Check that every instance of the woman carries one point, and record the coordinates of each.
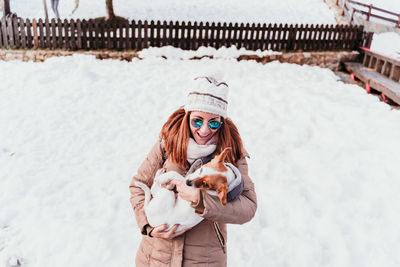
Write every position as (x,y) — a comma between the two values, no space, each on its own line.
(200,130)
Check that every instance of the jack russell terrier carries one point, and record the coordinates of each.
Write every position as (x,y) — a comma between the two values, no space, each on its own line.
(217,177)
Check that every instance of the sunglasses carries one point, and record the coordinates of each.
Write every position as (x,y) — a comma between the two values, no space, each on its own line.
(197,123)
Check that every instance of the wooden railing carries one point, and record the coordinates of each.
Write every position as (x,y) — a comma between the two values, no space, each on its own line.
(347,6)
(387,66)
(93,34)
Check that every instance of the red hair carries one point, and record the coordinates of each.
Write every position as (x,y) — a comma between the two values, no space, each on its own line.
(176,133)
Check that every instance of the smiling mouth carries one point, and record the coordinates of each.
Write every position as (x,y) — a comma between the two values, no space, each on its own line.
(203,136)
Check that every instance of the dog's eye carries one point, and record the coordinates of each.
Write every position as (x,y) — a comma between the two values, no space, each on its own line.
(205,184)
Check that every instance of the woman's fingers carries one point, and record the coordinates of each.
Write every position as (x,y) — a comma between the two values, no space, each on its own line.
(180,232)
(160,232)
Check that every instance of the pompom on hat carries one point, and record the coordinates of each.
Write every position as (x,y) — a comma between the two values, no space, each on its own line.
(207,94)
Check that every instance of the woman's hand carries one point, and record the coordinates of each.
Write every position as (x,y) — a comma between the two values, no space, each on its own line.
(188,193)
(160,232)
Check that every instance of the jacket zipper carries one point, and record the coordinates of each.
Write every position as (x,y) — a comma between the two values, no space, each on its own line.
(220,236)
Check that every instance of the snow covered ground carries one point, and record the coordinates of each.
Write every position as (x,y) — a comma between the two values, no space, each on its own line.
(74,130)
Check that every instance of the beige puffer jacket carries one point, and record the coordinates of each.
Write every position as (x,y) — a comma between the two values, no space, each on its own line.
(204,244)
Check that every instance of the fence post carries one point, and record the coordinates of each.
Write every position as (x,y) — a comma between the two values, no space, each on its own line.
(369,12)
(6,7)
(343,7)
(352,16)
(35,34)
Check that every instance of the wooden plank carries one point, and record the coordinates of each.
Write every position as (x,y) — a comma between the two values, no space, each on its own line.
(120,35)
(53,34)
(1,34)
(127,45)
(199,35)
(146,34)
(98,38)
(16,32)
(90,44)
(135,31)
(217,35)
(29,39)
(73,34)
(170,32)
(224,32)
(60,33)
(109,28)
(79,34)
(84,26)
(376,80)
(182,28)
(279,30)
(252,37)
(140,42)
(115,43)
(164,40)
(22,30)
(158,34)
(10,32)
(47,34)
(261,37)
(189,38)
(100,29)
(4,31)
(41,34)
(151,34)
(67,44)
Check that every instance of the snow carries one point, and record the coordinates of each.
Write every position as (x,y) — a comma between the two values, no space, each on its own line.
(257,11)
(387,43)
(75,130)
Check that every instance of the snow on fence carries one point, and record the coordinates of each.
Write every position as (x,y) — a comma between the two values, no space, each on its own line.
(349,9)
(94,34)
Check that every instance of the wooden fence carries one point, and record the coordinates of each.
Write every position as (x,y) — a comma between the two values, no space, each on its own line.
(348,6)
(93,34)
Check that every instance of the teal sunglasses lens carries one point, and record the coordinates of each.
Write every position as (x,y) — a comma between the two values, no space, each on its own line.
(197,123)
(214,125)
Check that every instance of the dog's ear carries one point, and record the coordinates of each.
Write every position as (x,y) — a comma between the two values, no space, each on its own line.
(222,156)
(222,190)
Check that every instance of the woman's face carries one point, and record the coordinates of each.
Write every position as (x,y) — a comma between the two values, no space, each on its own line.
(202,124)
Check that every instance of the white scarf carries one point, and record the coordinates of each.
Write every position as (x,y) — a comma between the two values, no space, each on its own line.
(196,151)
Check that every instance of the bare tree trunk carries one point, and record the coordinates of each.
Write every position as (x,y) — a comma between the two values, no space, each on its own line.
(45,9)
(110,10)
(5,4)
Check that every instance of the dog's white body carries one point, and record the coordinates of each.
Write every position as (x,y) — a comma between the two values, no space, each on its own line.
(166,207)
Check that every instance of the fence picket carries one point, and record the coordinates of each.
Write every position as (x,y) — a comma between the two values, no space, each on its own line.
(79,34)
(21,24)
(1,33)
(135,30)
(16,31)
(74,44)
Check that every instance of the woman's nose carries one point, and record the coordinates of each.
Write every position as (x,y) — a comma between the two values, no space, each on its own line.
(204,130)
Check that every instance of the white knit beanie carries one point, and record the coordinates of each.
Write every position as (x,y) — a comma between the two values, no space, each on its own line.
(208,95)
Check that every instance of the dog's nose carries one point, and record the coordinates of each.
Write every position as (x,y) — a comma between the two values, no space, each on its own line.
(188,182)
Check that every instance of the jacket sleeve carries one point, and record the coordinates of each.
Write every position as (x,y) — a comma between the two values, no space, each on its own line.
(236,212)
(146,173)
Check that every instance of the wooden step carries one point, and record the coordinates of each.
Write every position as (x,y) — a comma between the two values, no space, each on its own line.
(377,81)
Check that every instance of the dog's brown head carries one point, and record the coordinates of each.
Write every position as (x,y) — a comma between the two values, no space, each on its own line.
(215,181)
